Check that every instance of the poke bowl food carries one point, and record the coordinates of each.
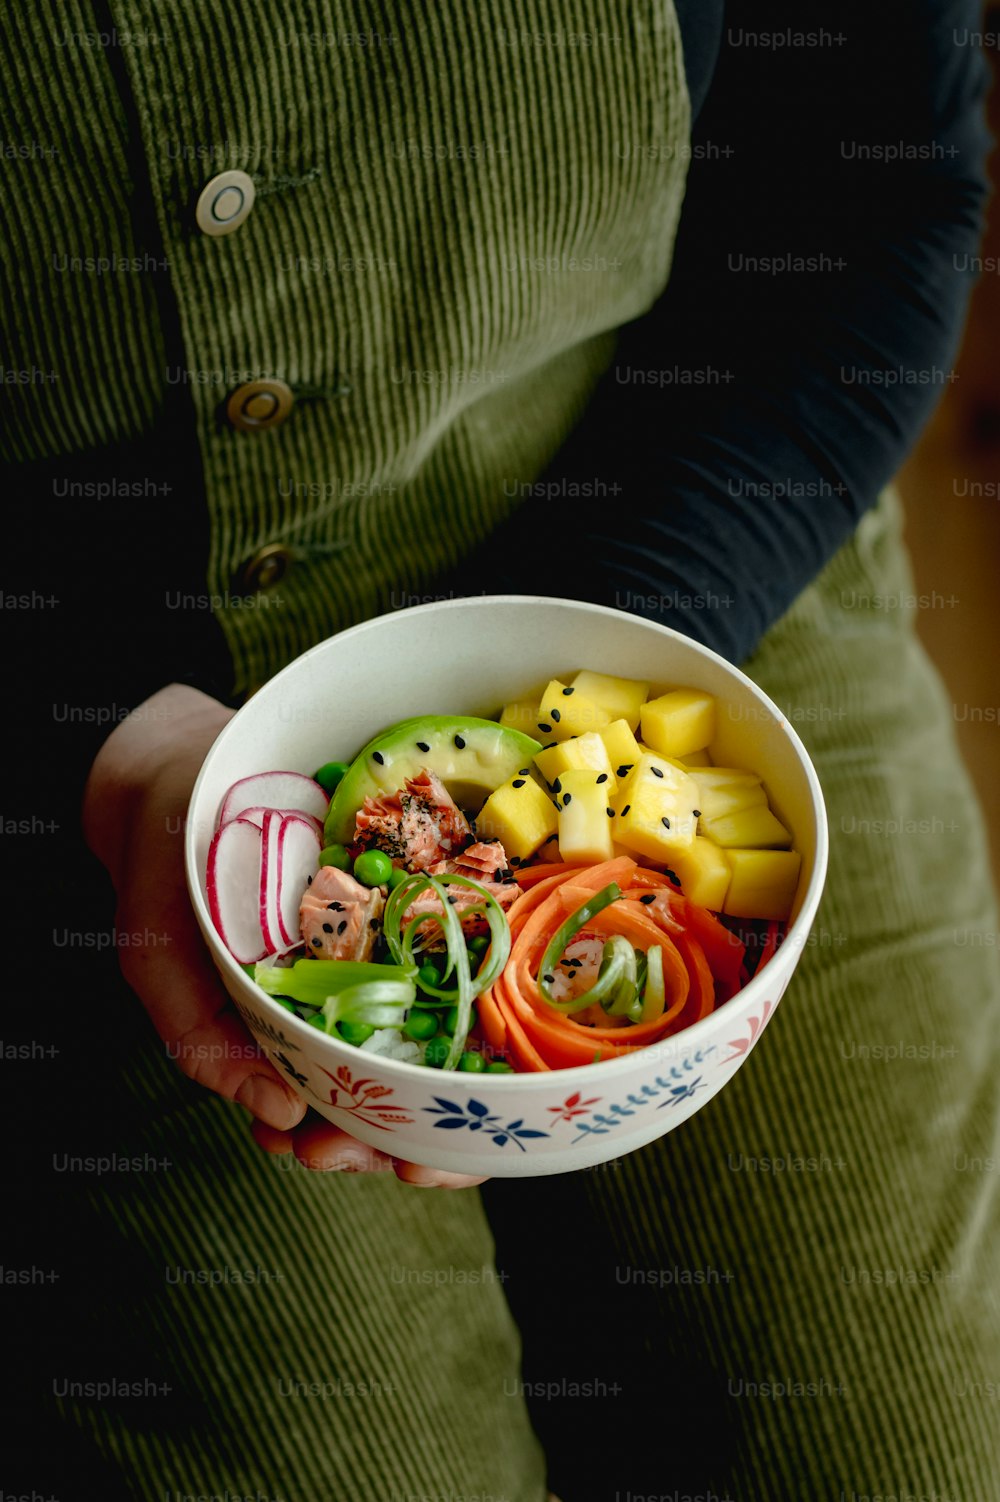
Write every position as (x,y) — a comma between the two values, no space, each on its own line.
(512,908)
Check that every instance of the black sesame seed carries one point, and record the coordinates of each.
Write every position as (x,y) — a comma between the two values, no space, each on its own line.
(515,860)
(626,809)
(309,881)
(625,768)
(422,746)
(567,799)
(335,907)
(518,782)
(451,899)
(665,822)
(545,729)
(548,979)
(674,878)
(524,772)
(459,742)
(657,771)
(375,924)
(648,898)
(603,777)
(341,925)
(377,756)
(328,928)
(611,813)
(696,812)
(567,692)
(557,786)
(555,715)
(317,943)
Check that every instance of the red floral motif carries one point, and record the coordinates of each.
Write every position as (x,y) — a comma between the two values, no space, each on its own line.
(742,1046)
(574,1106)
(366,1100)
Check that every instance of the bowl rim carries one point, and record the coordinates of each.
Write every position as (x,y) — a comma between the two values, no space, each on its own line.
(694,1033)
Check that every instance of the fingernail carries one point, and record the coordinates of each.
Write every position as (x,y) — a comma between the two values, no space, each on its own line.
(268,1102)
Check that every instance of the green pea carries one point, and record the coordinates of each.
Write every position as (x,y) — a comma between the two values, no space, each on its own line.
(499,1067)
(428,975)
(472,1063)
(478,945)
(335,855)
(355,1032)
(436,1052)
(317,1020)
(451,1020)
(399,875)
(420,1025)
(331,774)
(373,868)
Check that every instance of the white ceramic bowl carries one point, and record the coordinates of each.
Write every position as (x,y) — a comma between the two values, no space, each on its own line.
(470,657)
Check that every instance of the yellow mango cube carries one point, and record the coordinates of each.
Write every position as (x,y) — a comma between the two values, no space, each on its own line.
(588,751)
(522,715)
(621,745)
(654,809)
(563,713)
(726,790)
(750,828)
(703,872)
(520,815)
(762,883)
(696,759)
(621,697)
(585,822)
(679,722)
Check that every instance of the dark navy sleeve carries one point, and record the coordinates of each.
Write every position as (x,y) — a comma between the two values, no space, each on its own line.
(822,270)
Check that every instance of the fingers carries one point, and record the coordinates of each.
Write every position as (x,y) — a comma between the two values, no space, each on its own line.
(432,1178)
(324,1148)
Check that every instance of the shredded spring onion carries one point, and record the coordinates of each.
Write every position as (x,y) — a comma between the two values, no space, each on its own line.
(407,945)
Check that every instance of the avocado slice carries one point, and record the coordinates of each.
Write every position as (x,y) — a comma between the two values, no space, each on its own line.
(471,757)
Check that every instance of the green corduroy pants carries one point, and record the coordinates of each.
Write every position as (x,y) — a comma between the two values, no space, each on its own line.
(793,1295)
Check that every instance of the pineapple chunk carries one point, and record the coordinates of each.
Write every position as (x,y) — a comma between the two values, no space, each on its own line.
(679,722)
(621,697)
(585,830)
(564,713)
(523,716)
(520,815)
(655,809)
(725,790)
(751,828)
(703,872)
(762,883)
(622,746)
(696,759)
(582,751)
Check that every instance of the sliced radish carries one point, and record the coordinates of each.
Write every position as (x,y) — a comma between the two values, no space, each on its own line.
(298,853)
(233,886)
(291,790)
(270,918)
(257,816)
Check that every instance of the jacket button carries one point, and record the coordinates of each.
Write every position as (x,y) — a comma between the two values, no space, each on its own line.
(259,404)
(265,569)
(224,203)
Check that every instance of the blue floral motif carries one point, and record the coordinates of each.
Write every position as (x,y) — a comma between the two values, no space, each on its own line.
(677,1087)
(478,1118)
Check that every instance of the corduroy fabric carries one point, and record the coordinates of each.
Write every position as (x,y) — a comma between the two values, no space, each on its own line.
(807,1273)
(448,229)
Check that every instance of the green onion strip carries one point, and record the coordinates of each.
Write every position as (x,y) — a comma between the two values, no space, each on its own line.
(407,945)
(629,983)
